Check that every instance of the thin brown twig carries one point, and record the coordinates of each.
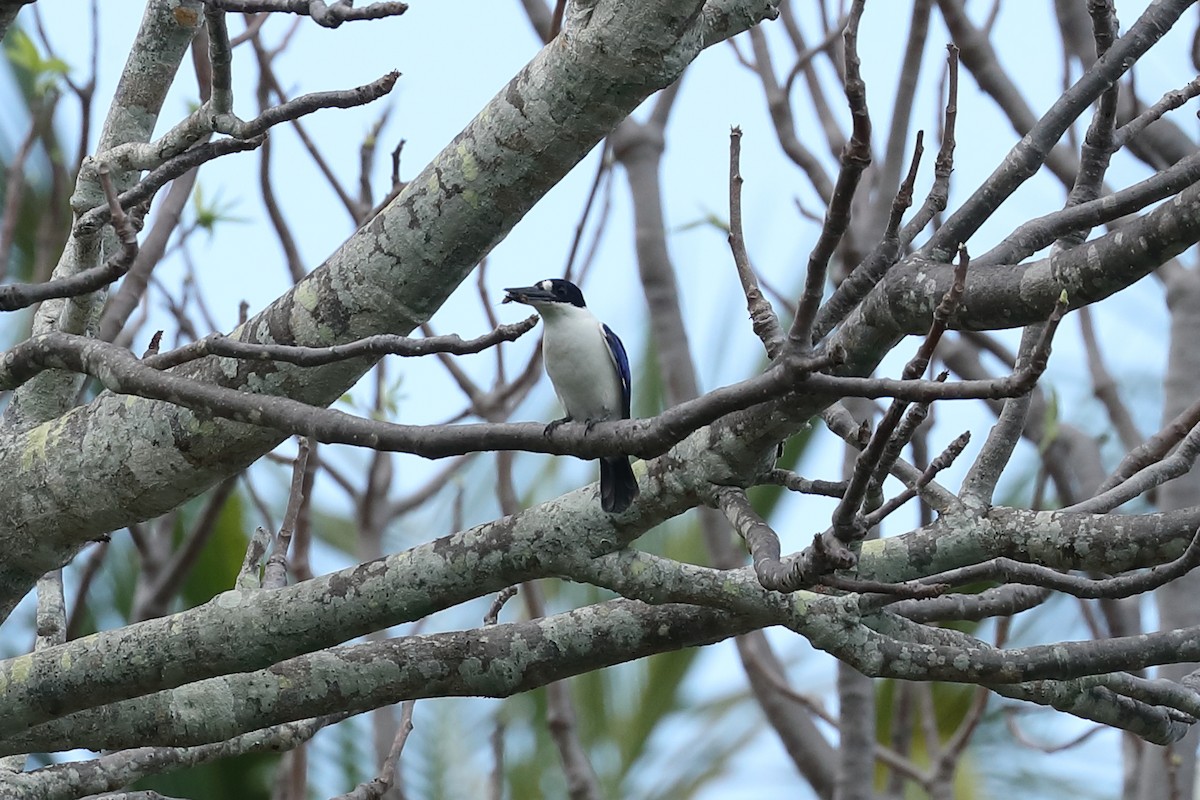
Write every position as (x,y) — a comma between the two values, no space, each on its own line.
(805,56)
(561,719)
(434,484)
(856,157)
(866,275)
(886,755)
(120,371)
(203,122)
(15,183)
(952,750)
(503,596)
(1104,386)
(1154,474)
(1014,729)
(302,538)
(763,319)
(828,121)
(779,105)
(939,192)
(912,419)
(1153,449)
(160,586)
(329,16)
(270,85)
(378,786)
(1169,102)
(379,345)
(275,571)
(22,295)
(943,460)
(998,601)
(366,158)
(145,189)
(599,180)
(1033,235)
(126,766)
(496,777)
(795,483)
(90,570)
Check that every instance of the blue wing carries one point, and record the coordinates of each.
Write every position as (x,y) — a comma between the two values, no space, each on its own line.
(621,360)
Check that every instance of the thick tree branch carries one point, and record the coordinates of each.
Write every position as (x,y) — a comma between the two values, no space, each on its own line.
(493,661)
(114,771)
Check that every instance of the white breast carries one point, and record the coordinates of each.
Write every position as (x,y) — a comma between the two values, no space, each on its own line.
(580,366)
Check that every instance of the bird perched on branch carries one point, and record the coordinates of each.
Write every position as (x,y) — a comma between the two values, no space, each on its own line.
(587,364)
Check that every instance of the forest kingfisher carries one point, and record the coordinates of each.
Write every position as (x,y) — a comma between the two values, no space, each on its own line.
(588,366)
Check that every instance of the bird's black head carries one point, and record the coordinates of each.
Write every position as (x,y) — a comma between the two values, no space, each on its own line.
(551,290)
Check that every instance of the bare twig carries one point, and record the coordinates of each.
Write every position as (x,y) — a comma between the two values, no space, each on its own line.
(779,104)
(382,344)
(855,158)
(944,460)
(840,422)
(984,473)
(762,317)
(1104,386)
(1169,102)
(160,585)
(561,721)
(503,596)
(1145,479)
(118,769)
(378,786)
(256,550)
(999,601)
(119,371)
(184,162)
(134,155)
(943,165)
(15,183)
(794,483)
(1010,721)
(1153,449)
(329,16)
(866,275)
(22,295)
(275,571)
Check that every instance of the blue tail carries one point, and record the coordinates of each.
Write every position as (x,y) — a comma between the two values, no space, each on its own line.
(618,486)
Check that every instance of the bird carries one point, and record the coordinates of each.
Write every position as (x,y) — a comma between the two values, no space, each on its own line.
(589,369)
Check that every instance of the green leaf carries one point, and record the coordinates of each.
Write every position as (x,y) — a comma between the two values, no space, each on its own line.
(209,215)
(707,220)
(216,568)
(36,75)
(336,531)
(22,53)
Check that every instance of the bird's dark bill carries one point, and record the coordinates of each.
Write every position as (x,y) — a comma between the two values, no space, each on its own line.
(523,294)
